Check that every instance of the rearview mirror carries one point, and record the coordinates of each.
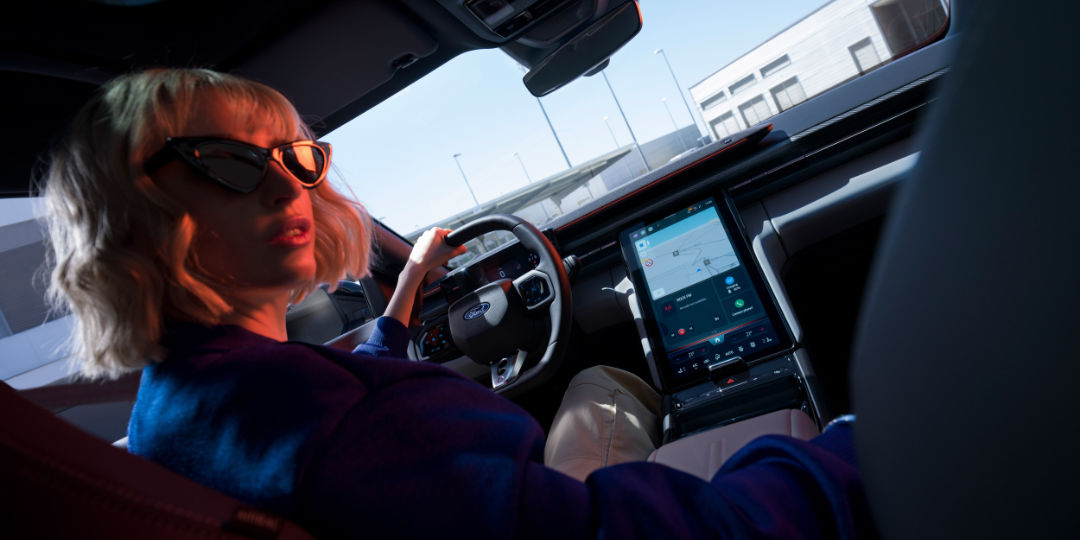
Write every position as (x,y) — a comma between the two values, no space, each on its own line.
(588,50)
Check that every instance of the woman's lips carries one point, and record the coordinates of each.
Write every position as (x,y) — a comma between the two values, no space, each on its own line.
(295,232)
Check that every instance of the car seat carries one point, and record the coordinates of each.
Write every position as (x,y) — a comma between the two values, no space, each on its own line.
(60,482)
(964,372)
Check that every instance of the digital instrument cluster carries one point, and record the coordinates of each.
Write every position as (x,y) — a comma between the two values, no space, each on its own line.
(509,262)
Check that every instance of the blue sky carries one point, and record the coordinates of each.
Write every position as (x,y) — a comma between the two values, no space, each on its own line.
(397,157)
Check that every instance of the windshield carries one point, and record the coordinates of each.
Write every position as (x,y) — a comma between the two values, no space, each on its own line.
(469,139)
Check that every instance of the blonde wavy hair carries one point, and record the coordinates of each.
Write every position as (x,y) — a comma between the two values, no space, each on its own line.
(121,249)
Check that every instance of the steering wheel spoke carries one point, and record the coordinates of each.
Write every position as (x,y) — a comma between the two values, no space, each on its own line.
(506,370)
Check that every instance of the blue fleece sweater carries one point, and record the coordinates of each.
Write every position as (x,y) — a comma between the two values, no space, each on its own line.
(368,444)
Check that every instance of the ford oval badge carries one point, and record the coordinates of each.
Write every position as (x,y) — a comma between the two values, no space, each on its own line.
(477,310)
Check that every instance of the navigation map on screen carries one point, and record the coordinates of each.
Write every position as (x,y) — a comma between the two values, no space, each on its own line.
(701,296)
(685,253)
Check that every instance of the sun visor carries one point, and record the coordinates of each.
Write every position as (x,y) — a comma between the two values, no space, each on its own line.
(324,63)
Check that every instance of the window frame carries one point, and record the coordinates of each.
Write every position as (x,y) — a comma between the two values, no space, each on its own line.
(752,104)
(714,100)
(784,88)
(721,120)
(863,44)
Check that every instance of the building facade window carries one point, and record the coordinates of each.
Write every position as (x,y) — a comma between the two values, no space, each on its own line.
(714,100)
(22,293)
(755,111)
(908,24)
(741,84)
(724,125)
(788,94)
(864,54)
(775,65)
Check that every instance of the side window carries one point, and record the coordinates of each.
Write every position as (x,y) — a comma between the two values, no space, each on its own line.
(31,335)
(830,46)
(908,24)
(21,304)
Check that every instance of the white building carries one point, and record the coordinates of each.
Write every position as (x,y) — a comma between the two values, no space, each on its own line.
(31,336)
(840,41)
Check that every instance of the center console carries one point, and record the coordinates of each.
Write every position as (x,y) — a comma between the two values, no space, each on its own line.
(719,349)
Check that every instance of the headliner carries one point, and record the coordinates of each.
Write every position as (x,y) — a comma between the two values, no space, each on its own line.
(55,54)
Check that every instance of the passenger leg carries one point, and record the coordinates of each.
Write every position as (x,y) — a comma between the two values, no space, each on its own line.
(607,416)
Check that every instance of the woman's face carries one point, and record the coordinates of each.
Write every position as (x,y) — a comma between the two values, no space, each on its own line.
(258,242)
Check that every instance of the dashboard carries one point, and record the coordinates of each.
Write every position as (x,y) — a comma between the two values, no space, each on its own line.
(807,186)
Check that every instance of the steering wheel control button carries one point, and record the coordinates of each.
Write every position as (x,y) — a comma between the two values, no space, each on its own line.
(535,289)
(477,311)
(434,341)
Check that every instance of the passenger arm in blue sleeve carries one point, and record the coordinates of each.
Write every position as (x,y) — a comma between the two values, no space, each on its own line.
(389,338)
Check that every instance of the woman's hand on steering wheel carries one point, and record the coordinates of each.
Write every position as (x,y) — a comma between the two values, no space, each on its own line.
(430,252)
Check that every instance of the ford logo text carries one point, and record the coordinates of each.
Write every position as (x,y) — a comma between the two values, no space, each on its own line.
(477,310)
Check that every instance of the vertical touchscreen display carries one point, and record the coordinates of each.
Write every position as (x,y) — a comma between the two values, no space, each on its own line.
(699,291)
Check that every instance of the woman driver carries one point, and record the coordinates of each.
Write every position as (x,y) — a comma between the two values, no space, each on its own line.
(187,209)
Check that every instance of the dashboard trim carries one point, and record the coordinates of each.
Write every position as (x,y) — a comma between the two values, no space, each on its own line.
(752,135)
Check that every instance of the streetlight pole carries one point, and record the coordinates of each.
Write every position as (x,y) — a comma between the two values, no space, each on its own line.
(627,122)
(673,124)
(550,126)
(612,132)
(679,88)
(466,179)
(553,134)
(523,169)
(671,116)
(547,216)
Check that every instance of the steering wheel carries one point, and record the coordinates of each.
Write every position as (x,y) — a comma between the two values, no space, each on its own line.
(517,327)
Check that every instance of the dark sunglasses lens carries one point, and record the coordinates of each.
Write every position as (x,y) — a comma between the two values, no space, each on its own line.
(306,161)
(235,164)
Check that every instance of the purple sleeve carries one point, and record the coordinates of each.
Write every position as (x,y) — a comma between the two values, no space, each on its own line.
(436,455)
(439,456)
(389,338)
(775,487)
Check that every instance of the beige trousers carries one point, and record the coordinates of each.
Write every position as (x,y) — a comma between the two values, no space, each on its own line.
(607,416)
